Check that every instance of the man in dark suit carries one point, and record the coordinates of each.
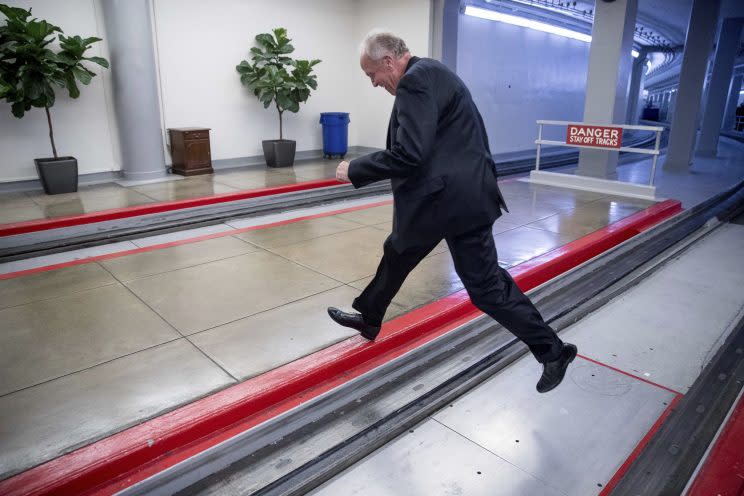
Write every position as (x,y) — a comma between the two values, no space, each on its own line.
(444,187)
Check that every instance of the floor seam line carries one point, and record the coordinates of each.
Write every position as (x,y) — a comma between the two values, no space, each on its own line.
(497,455)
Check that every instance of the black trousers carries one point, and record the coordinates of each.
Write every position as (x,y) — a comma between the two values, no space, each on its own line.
(490,287)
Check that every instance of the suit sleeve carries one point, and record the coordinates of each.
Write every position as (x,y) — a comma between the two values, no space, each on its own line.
(417,115)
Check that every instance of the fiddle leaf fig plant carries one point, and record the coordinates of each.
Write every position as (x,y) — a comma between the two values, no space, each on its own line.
(30,69)
(276,78)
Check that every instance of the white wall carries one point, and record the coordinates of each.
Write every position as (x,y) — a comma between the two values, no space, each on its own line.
(82,128)
(200,43)
(517,76)
(199,46)
(410,20)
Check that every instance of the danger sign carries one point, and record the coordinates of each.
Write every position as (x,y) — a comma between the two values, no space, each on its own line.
(602,136)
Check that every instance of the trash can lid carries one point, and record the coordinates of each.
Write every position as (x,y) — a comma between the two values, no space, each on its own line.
(334,116)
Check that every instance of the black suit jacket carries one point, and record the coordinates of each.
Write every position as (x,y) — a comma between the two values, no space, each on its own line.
(437,156)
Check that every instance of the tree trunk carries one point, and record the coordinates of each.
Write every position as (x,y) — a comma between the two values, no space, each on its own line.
(280,122)
(51,132)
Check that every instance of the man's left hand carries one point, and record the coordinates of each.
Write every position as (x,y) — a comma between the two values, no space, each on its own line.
(342,171)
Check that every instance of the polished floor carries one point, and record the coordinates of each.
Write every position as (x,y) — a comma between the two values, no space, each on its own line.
(704,176)
(99,343)
(34,205)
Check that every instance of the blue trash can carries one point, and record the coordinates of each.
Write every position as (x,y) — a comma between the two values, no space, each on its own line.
(335,133)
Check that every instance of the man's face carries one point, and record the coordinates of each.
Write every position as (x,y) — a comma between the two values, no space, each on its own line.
(381,72)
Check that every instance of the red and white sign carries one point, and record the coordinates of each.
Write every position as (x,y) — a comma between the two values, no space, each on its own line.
(602,136)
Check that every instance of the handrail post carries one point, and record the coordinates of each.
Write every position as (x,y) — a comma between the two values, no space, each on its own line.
(539,139)
(656,156)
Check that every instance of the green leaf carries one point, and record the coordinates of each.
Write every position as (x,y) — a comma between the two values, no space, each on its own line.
(7,48)
(39,30)
(18,109)
(244,68)
(72,88)
(98,60)
(35,89)
(15,13)
(5,88)
(66,59)
(303,95)
(83,75)
(89,41)
(48,99)
(284,100)
(266,40)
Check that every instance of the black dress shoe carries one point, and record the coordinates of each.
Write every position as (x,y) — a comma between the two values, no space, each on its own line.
(554,371)
(355,321)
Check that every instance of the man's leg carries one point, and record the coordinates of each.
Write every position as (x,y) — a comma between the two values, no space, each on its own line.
(493,291)
(392,271)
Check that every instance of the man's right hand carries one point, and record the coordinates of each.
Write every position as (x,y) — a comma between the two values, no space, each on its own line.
(342,171)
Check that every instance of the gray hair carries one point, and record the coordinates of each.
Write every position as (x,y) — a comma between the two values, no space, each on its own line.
(377,44)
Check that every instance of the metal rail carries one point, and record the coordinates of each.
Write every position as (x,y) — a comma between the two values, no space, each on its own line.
(293,453)
(64,239)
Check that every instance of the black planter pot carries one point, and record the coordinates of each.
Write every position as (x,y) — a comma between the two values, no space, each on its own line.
(58,175)
(279,153)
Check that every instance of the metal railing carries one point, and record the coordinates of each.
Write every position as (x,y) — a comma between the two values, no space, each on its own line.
(655,151)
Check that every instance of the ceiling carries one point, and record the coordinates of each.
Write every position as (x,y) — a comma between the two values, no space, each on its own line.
(661,24)
(658,22)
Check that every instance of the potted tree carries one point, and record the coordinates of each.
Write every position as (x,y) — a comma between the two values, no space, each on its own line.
(29,72)
(275,77)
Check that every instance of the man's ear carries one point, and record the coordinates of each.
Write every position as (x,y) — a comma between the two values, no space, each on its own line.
(388,61)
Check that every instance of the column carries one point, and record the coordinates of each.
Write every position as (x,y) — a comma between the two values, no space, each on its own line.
(729,118)
(700,32)
(672,105)
(608,77)
(664,106)
(450,19)
(135,82)
(638,73)
(720,80)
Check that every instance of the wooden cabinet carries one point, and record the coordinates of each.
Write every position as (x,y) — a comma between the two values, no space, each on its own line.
(189,147)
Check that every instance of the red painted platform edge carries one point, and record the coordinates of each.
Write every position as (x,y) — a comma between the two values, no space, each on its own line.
(636,377)
(121,213)
(723,471)
(14,228)
(640,447)
(117,456)
(169,244)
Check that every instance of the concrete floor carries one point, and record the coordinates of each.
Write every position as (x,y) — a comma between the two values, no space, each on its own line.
(92,348)
(637,353)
